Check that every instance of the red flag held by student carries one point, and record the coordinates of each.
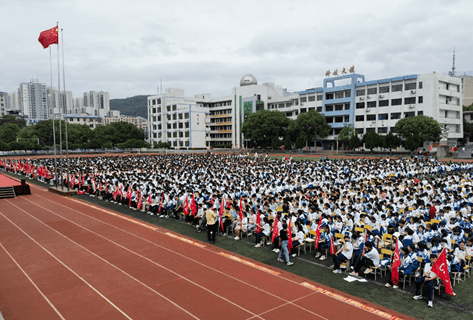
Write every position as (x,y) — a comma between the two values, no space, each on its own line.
(289,235)
(221,211)
(193,206)
(186,208)
(212,199)
(317,234)
(395,266)
(275,229)
(140,201)
(440,268)
(332,245)
(258,222)
(48,37)
(240,211)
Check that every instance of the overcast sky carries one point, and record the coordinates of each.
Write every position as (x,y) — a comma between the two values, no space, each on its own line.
(126,47)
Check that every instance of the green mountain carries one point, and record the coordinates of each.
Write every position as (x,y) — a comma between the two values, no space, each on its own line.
(134,106)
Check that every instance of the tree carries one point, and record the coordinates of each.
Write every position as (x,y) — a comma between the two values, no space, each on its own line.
(354,142)
(371,140)
(467,131)
(117,132)
(391,141)
(311,124)
(418,129)
(261,127)
(346,133)
(8,118)
(133,143)
(8,132)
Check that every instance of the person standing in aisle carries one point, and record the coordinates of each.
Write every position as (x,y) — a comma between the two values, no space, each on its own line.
(211,216)
(283,240)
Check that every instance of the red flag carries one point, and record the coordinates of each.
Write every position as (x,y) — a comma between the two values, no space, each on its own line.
(289,235)
(317,233)
(193,206)
(396,265)
(275,229)
(440,268)
(430,148)
(186,208)
(240,211)
(258,222)
(220,212)
(149,198)
(140,201)
(161,203)
(212,199)
(48,37)
(332,245)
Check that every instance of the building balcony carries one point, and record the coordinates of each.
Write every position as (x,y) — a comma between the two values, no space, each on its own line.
(220,115)
(220,123)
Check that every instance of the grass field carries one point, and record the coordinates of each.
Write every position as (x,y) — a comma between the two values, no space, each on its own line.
(445,307)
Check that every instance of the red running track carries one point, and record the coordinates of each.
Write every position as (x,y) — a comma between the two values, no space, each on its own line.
(65,259)
(6,181)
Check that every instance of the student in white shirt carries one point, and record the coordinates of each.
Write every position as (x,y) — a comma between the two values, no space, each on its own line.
(429,277)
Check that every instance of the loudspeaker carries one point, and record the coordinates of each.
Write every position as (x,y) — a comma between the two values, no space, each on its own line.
(23,182)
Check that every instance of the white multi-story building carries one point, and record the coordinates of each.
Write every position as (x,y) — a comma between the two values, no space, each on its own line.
(96,103)
(344,100)
(13,102)
(33,100)
(177,120)
(3,103)
(467,89)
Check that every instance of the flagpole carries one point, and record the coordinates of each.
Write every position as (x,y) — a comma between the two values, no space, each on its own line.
(60,109)
(65,105)
(52,110)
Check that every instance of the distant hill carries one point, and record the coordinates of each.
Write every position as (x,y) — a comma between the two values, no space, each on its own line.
(133,106)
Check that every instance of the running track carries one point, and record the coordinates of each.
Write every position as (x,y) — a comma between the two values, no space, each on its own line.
(62,258)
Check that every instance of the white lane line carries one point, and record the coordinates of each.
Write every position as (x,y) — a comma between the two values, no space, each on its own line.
(143,257)
(34,284)
(72,271)
(173,252)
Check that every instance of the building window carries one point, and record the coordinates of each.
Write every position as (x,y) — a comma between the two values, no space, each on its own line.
(420,113)
(360,92)
(329,108)
(370,117)
(303,99)
(186,115)
(411,100)
(421,99)
(338,107)
(372,90)
(396,87)
(168,108)
(174,117)
(420,85)
(347,93)
(383,116)
(396,102)
(383,130)
(395,116)
(383,103)
(338,119)
(359,130)
(410,86)
(384,89)
(320,97)
(174,107)
(338,94)
(371,104)
(311,98)
(180,116)
(319,109)
(186,134)
(169,134)
(409,114)
(360,105)
(328,96)
(360,118)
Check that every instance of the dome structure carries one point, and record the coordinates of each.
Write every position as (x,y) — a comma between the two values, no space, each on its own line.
(248,80)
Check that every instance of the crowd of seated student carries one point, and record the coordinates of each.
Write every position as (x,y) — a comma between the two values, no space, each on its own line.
(342,197)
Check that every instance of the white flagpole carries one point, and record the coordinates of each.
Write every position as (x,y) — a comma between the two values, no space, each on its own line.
(60,109)
(52,110)
(65,107)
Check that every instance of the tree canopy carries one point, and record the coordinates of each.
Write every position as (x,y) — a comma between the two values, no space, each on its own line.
(418,129)
(261,127)
(311,124)
(346,133)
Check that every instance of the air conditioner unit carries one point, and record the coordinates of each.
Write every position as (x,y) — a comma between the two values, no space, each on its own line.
(381,96)
(413,91)
(374,121)
(368,97)
(361,98)
(411,106)
(368,109)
